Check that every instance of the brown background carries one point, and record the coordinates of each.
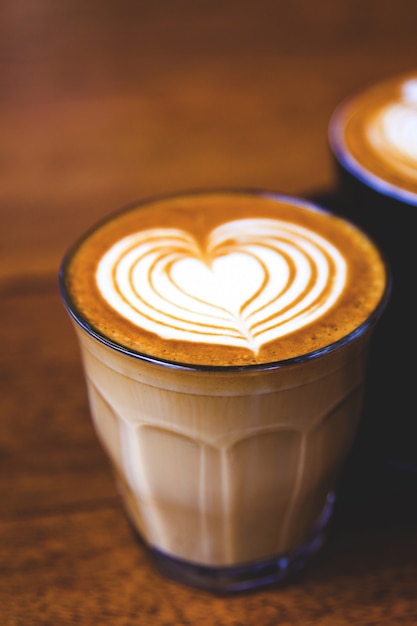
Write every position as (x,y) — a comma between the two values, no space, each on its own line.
(102,103)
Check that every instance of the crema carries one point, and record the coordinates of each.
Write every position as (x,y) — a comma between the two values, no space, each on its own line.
(225,278)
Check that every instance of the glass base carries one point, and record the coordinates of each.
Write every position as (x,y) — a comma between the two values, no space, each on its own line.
(248,576)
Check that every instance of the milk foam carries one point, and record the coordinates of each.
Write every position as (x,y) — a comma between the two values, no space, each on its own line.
(253,281)
(392,132)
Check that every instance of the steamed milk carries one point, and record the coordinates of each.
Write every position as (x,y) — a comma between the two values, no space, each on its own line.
(195,315)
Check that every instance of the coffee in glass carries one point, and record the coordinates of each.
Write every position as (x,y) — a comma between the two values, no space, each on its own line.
(224,336)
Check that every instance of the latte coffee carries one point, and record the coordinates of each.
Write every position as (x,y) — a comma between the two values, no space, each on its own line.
(373,138)
(225,337)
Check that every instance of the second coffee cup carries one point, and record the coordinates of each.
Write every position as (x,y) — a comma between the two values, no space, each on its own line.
(373,138)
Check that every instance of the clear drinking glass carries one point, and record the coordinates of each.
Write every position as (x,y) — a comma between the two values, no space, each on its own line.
(228,473)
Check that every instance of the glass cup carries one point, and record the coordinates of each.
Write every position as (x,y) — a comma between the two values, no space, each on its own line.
(373,140)
(227,472)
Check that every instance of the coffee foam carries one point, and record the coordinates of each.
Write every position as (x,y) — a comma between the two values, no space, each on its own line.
(374,134)
(255,280)
(247,279)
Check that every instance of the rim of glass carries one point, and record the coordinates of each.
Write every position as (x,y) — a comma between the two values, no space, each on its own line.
(354,167)
(83,323)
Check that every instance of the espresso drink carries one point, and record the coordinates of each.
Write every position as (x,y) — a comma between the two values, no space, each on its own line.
(225,338)
(373,137)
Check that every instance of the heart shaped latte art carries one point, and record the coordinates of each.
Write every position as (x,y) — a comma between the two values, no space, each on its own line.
(255,280)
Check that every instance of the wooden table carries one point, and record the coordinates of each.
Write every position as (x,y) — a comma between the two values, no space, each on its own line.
(102,103)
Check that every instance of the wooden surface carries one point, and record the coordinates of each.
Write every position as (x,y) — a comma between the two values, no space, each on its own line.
(102,103)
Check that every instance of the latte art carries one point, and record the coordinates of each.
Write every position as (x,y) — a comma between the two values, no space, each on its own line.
(224,279)
(392,133)
(373,136)
(255,280)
